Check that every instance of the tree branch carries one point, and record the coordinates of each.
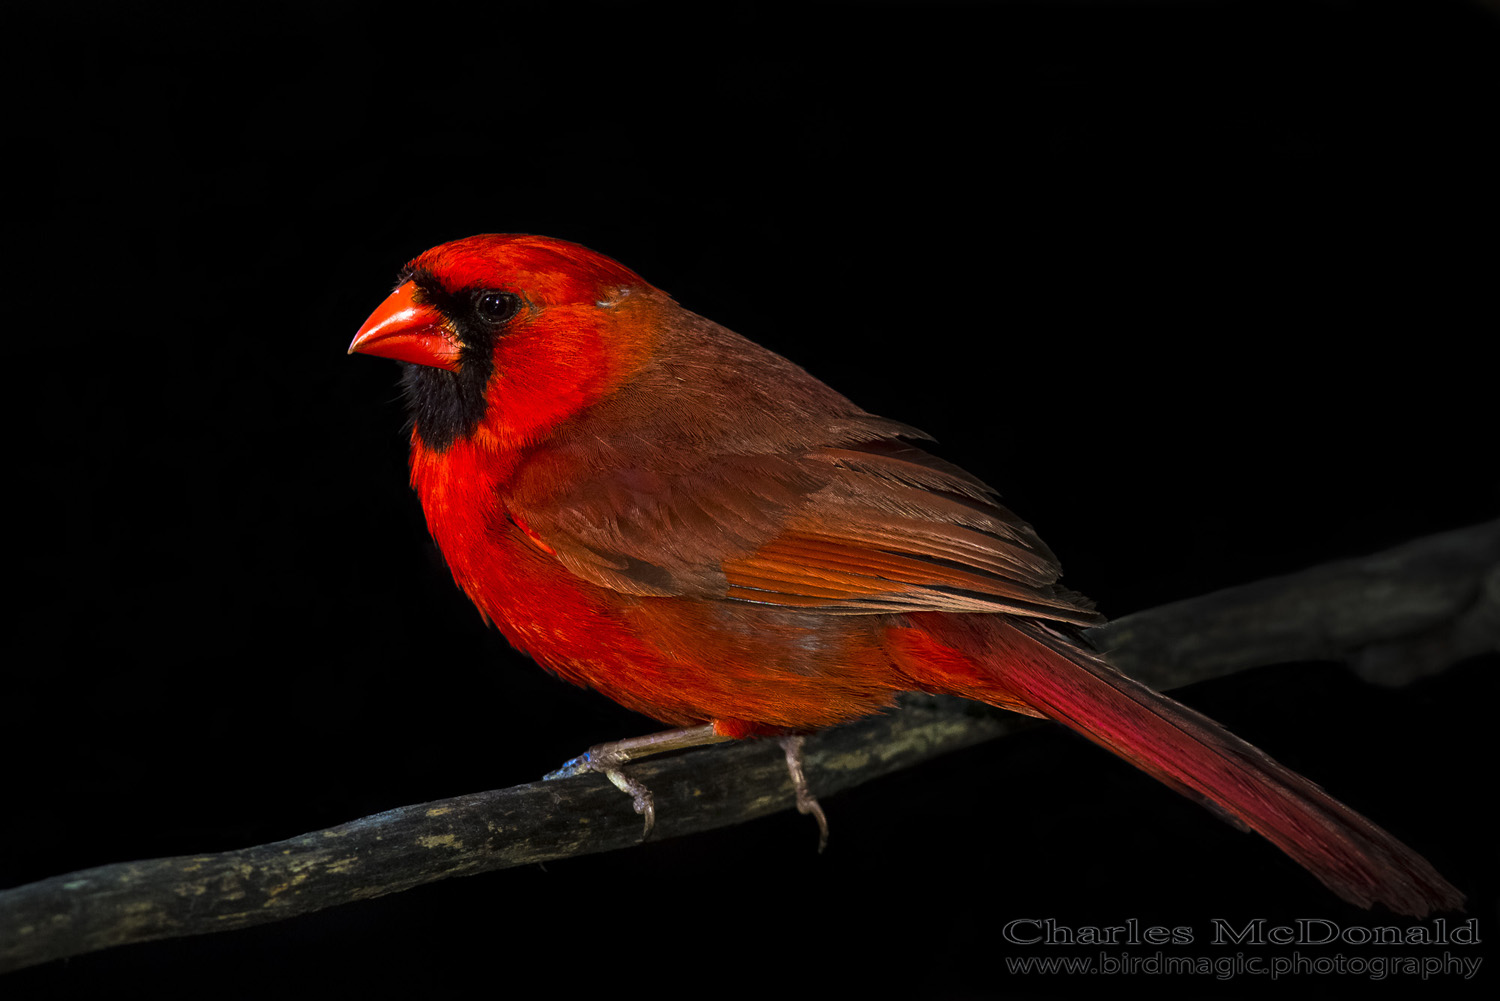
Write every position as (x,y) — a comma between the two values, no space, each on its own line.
(1394,616)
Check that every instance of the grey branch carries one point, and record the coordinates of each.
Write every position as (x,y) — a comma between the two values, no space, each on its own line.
(1394,616)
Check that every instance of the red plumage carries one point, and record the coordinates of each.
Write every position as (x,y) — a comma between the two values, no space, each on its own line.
(652,506)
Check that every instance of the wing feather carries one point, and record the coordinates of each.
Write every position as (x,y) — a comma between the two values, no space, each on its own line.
(758,483)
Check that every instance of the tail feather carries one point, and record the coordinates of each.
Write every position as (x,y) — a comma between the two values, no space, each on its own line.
(1028,666)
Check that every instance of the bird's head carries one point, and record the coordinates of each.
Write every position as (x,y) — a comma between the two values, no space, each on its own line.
(506,335)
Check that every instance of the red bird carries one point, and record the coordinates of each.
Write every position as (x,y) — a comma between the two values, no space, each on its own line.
(653,506)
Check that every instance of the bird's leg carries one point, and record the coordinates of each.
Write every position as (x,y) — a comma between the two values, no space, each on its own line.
(806,802)
(606,759)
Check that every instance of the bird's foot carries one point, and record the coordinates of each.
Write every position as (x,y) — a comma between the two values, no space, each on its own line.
(607,759)
(806,802)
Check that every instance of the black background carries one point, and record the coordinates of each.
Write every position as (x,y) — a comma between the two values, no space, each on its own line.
(1204,289)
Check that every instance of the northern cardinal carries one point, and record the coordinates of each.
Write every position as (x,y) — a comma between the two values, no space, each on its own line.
(654,507)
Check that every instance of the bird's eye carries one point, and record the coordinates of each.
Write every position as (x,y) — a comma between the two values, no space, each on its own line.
(495,307)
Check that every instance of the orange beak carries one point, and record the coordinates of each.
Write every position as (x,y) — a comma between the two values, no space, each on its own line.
(405,330)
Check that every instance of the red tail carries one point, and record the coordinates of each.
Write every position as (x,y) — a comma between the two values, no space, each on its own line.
(1026,666)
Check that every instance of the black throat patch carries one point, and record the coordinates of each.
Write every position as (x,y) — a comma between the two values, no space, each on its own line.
(445,406)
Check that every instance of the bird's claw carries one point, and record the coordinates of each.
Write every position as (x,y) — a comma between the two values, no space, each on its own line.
(807,803)
(607,759)
(641,796)
(581,765)
(599,760)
